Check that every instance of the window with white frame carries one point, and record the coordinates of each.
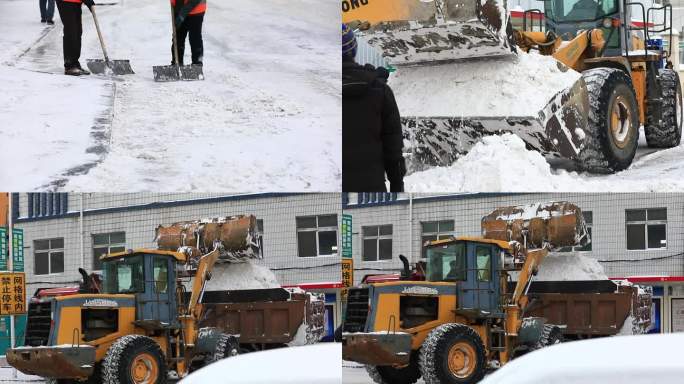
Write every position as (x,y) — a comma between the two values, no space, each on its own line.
(317,235)
(434,230)
(646,228)
(106,243)
(589,220)
(48,256)
(377,243)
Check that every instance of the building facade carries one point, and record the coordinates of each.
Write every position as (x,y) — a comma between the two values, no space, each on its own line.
(636,236)
(65,231)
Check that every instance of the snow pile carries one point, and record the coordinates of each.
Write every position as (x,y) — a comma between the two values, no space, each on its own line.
(497,163)
(320,364)
(512,86)
(570,266)
(502,163)
(241,276)
(629,327)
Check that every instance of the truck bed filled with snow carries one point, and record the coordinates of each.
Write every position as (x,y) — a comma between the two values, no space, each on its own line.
(570,266)
(238,276)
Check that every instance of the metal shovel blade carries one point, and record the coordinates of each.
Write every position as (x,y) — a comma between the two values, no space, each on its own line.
(166,73)
(191,72)
(174,73)
(117,67)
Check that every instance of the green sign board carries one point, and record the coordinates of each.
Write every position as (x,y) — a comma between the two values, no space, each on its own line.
(4,251)
(346,236)
(18,249)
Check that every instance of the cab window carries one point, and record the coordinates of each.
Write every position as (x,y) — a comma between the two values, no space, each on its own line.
(446,262)
(161,274)
(483,258)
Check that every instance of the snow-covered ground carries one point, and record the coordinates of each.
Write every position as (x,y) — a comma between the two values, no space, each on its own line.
(8,376)
(267,117)
(502,163)
(353,373)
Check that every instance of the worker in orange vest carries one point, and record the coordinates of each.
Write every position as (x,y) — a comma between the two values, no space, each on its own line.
(189,19)
(70,13)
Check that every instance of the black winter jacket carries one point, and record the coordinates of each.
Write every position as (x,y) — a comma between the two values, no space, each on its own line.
(372,140)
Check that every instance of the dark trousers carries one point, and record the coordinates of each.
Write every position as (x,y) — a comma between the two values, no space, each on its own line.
(70,13)
(47,9)
(192,25)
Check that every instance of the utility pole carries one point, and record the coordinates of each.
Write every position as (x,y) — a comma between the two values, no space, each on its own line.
(10,266)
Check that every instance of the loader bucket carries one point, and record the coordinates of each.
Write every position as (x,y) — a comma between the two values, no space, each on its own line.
(59,362)
(552,225)
(417,32)
(557,130)
(236,237)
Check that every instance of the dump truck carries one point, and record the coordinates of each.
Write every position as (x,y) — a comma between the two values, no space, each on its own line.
(624,79)
(582,309)
(463,318)
(142,327)
(264,318)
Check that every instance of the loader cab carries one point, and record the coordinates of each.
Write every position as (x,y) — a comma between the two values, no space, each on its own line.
(613,17)
(475,266)
(150,276)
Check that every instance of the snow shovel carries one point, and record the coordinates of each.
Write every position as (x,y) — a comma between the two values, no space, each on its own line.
(176,72)
(98,66)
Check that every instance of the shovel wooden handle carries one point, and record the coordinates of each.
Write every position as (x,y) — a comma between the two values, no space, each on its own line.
(99,34)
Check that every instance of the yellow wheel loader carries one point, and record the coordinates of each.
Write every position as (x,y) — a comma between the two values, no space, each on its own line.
(143,325)
(594,122)
(463,318)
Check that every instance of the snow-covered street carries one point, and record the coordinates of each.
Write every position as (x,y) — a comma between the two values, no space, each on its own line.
(267,117)
(353,373)
(502,163)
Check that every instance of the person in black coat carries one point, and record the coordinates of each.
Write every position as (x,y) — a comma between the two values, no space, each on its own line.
(372,141)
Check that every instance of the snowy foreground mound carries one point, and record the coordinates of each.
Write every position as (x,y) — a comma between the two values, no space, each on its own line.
(643,359)
(513,86)
(502,163)
(315,364)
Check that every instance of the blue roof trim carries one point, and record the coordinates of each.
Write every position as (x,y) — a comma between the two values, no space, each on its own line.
(427,199)
(159,204)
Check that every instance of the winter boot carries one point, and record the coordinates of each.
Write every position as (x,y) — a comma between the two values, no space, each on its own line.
(76,71)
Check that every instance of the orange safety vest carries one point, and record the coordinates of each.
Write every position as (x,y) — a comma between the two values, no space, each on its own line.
(200,8)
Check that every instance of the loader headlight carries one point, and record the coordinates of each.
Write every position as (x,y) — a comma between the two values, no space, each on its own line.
(610,22)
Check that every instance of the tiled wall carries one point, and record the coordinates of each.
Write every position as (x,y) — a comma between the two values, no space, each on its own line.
(278,213)
(609,234)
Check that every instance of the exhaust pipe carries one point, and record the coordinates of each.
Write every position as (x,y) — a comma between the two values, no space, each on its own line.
(406,272)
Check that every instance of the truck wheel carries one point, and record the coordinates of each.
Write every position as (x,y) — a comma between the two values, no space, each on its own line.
(666,132)
(227,346)
(612,131)
(385,374)
(134,359)
(452,354)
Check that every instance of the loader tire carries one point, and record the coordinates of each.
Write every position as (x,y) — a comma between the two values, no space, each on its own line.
(134,359)
(227,346)
(385,374)
(551,335)
(666,132)
(612,131)
(452,354)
